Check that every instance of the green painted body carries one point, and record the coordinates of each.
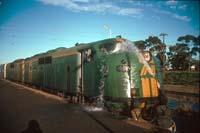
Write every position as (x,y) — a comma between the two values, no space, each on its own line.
(91,79)
(26,72)
(10,72)
(73,72)
(15,70)
(115,84)
(62,74)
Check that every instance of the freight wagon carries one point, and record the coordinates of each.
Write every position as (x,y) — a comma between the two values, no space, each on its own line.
(15,70)
(110,72)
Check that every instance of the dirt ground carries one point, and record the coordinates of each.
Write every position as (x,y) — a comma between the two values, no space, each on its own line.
(19,105)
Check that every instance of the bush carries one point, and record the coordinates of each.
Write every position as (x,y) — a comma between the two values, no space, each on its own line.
(182,78)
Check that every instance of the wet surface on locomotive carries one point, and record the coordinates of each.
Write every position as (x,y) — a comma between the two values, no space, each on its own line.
(127,73)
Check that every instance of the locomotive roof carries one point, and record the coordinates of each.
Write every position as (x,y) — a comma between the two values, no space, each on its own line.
(83,46)
(78,47)
(59,49)
(18,60)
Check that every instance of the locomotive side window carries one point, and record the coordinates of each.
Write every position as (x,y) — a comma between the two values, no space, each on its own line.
(41,61)
(48,60)
(11,65)
(88,55)
(45,60)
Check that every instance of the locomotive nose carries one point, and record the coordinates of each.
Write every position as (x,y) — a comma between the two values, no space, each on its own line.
(140,70)
(129,71)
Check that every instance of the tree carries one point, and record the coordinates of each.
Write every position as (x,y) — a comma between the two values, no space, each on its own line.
(178,56)
(192,42)
(140,45)
(181,55)
(154,45)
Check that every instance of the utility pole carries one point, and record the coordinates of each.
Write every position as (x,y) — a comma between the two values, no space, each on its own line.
(163,53)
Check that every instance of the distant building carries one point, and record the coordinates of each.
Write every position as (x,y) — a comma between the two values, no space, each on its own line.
(193,68)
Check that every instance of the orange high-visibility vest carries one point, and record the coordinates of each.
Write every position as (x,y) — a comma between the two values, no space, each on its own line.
(149,84)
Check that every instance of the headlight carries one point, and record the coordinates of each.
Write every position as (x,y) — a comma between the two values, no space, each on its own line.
(147,55)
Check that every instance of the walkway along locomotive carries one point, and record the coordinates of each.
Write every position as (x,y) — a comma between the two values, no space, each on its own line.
(112,72)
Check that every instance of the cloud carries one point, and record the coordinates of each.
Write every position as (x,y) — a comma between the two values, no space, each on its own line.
(155,17)
(173,7)
(96,6)
(129,11)
(184,18)
(182,7)
(171,2)
(83,1)
(138,3)
(103,6)
(174,15)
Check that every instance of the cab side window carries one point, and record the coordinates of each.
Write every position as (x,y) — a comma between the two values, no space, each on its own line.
(88,55)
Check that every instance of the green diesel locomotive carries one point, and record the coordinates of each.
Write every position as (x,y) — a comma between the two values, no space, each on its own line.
(111,72)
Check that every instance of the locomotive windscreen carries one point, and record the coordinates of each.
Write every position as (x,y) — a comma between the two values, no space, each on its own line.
(108,47)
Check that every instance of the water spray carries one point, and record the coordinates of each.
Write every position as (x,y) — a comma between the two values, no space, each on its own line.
(128,46)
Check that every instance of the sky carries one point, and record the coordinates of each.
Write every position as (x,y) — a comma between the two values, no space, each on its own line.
(29,27)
